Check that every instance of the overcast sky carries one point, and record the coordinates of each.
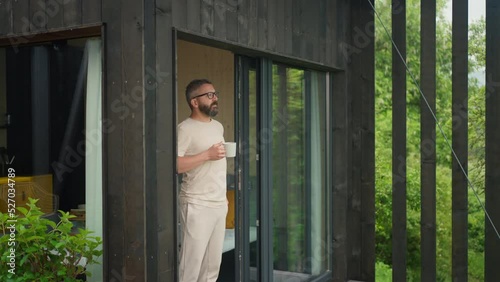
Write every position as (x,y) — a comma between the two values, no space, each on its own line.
(476,9)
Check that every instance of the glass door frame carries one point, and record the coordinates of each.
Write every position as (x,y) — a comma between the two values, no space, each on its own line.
(263,68)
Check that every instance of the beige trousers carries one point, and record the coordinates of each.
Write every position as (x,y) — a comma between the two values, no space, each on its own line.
(203,230)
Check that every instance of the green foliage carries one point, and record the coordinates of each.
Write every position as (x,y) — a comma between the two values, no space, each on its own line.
(383,137)
(45,250)
(383,272)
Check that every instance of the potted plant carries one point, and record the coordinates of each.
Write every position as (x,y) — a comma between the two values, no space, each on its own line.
(37,249)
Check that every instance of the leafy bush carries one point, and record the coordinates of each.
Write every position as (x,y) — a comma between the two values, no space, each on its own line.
(43,250)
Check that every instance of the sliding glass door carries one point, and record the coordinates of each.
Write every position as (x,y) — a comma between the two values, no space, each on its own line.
(248,192)
(283,212)
(299,163)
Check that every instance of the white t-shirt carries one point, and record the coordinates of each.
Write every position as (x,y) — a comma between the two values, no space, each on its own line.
(205,184)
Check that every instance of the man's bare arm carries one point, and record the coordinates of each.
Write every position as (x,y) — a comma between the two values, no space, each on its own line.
(187,163)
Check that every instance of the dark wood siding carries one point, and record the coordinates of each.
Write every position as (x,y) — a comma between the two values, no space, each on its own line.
(166,146)
(460,141)
(399,217)
(428,140)
(361,204)
(114,221)
(24,17)
(341,180)
(283,27)
(492,194)
(6,17)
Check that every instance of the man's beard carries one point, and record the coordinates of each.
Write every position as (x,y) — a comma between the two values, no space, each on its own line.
(209,110)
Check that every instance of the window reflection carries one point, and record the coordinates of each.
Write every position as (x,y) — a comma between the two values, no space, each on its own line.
(299,179)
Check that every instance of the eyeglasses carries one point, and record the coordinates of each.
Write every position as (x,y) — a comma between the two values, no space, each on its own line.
(210,95)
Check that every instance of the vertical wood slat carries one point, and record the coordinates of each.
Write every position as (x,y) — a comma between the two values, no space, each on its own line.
(150,168)
(207,17)
(166,143)
(315,22)
(55,14)
(307,34)
(271,21)
(6,17)
(133,140)
(220,8)
(72,12)
(354,197)
(262,31)
(179,17)
(296,28)
(243,30)
(253,27)
(288,26)
(231,19)
(21,16)
(194,15)
(492,193)
(321,25)
(459,139)
(361,213)
(114,197)
(335,29)
(91,11)
(368,147)
(341,171)
(37,16)
(279,21)
(399,166)
(428,141)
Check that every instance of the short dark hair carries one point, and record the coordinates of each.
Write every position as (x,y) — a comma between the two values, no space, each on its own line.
(193,86)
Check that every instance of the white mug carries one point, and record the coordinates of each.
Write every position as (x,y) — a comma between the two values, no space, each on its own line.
(230,148)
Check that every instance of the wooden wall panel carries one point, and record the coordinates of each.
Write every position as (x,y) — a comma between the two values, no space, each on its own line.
(262,27)
(295,28)
(207,17)
(428,141)
(37,16)
(252,23)
(288,26)
(25,17)
(6,17)
(492,193)
(55,14)
(180,16)
(21,16)
(399,235)
(166,146)
(133,139)
(153,245)
(91,11)
(460,140)
(341,170)
(231,18)
(243,11)
(220,9)
(114,241)
(193,15)
(361,209)
(72,12)
(299,37)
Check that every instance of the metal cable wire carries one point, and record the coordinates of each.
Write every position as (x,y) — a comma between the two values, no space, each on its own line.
(435,118)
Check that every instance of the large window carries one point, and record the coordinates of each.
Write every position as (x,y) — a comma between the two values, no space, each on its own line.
(50,128)
(299,159)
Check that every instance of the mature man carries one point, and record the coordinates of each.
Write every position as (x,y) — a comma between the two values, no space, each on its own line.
(202,199)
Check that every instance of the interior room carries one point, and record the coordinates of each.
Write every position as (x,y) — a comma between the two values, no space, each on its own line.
(217,65)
